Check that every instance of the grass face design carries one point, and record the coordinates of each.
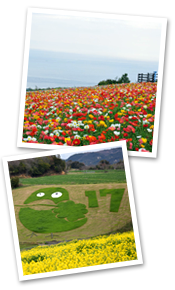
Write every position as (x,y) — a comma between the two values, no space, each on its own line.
(64,216)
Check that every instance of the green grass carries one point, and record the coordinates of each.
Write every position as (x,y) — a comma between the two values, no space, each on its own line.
(117,176)
(67,216)
(48,192)
(92,198)
(70,210)
(116,197)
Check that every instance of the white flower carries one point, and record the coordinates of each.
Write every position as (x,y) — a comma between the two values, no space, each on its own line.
(139,137)
(70,125)
(86,127)
(33,139)
(51,134)
(77,137)
(149,130)
(46,131)
(29,138)
(57,134)
(116,133)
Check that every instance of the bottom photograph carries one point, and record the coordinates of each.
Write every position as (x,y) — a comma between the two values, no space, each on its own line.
(72,210)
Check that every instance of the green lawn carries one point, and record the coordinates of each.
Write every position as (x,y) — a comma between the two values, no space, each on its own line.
(116,197)
(96,177)
(92,198)
(45,221)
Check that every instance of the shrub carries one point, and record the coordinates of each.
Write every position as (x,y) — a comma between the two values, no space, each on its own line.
(14,182)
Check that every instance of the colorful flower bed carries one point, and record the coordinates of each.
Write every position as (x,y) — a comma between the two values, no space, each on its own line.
(77,254)
(85,116)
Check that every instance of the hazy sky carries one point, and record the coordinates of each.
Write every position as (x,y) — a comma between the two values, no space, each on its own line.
(136,39)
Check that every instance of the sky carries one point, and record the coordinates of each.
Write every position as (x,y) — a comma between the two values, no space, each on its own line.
(136,39)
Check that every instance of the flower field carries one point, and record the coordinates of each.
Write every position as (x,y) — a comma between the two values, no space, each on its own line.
(86,116)
(82,253)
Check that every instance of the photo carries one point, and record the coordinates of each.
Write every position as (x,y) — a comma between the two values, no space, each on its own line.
(91,78)
(72,210)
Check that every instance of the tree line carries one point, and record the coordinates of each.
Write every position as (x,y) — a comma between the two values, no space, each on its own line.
(124,79)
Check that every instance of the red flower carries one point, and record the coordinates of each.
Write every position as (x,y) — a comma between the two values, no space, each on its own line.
(76,142)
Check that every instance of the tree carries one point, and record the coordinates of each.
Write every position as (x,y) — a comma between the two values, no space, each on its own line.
(124,79)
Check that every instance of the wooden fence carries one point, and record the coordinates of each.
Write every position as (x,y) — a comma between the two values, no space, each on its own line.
(149,77)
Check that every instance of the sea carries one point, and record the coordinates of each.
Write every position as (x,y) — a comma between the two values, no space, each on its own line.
(48,69)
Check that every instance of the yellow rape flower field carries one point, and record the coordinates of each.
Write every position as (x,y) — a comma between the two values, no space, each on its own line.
(76,254)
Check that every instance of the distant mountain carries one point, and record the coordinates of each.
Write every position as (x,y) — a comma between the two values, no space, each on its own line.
(93,158)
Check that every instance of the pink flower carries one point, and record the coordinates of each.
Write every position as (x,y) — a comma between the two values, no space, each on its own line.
(143,150)
(130,145)
(111,128)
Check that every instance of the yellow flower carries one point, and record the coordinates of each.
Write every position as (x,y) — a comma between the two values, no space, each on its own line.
(67,139)
(144,140)
(149,115)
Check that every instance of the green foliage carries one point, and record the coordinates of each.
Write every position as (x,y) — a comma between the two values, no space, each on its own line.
(58,168)
(76,165)
(13,169)
(58,162)
(22,167)
(116,197)
(124,79)
(14,182)
(43,167)
(48,192)
(34,171)
(92,198)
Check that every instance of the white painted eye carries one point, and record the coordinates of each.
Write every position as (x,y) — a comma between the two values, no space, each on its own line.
(40,194)
(56,194)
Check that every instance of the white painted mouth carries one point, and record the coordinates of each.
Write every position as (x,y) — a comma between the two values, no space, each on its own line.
(40,194)
(56,194)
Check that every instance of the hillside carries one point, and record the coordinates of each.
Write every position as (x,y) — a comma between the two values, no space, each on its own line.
(93,158)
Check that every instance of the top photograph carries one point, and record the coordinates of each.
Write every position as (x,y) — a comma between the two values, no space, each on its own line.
(91,78)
